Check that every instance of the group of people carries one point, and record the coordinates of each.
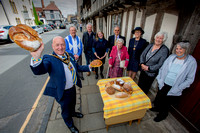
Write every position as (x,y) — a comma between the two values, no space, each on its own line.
(174,73)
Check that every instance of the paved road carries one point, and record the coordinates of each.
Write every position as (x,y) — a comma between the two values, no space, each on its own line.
(18,92)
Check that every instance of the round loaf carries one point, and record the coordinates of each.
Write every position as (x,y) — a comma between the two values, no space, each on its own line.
(26,37)
(110,90)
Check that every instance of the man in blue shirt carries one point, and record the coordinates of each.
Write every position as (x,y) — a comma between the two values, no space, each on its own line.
(74,46)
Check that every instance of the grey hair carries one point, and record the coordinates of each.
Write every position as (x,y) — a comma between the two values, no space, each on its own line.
(116,27)
(89,24)
(72,26)
(120,40)
(184,45)
(160,33)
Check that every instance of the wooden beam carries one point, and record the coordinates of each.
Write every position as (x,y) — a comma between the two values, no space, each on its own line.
(127,16)
(157,25)
(133,23)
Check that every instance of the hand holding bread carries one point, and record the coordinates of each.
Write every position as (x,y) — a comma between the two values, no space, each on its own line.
(38,53)
(26,37)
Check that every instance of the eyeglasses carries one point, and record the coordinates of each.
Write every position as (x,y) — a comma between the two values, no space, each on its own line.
(116,30)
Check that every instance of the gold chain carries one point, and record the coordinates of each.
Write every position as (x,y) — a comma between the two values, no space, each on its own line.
(66,61)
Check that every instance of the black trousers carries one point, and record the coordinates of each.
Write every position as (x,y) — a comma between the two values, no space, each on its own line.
(145,82)
(80,63)
(101,69)
(163,102)
(67,104)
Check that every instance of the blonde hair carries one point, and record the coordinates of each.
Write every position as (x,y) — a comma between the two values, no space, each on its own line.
(97,38)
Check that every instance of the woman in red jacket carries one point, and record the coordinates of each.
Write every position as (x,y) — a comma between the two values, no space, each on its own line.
(118,53)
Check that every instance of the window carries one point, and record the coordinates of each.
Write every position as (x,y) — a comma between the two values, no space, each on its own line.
(32,12)
(25,9)
(52,16)
(12,4)
(116,21)
(18,20)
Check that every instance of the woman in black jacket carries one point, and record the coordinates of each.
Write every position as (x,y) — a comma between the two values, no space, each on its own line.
(151,60)
(136,46)
(100,49)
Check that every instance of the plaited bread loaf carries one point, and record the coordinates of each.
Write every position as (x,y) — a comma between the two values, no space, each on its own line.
(127,88)
(25,37)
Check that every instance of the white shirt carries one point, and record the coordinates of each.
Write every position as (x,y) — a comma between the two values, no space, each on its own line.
(75,46)
(69,81)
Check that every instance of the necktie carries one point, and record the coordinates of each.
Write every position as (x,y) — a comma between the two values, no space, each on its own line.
(115,39)
(72,70)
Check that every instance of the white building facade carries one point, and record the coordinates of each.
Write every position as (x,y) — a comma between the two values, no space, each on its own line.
(15,12)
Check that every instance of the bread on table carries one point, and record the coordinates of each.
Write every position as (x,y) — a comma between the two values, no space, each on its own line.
(128,88)
(110,90)
(121,95)
(119,88)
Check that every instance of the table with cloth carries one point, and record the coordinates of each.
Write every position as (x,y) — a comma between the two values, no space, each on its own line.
(123,110)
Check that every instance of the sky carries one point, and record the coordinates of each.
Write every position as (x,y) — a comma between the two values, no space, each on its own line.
(65,6)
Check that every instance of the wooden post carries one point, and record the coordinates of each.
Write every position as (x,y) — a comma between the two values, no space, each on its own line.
(157,24)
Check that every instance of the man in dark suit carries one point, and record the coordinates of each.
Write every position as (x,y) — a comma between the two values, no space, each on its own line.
(88,40)
(63,72)
(112,39)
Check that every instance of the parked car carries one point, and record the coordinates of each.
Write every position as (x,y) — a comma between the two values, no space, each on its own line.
(38,29)
(53,26)
(46,27)
(4,32)
(62,26)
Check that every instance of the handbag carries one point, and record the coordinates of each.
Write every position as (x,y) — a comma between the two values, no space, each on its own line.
(122,62)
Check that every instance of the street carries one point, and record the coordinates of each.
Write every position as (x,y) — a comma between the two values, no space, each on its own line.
(19,88)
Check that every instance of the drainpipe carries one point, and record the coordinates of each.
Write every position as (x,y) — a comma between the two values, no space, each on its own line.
(5,12)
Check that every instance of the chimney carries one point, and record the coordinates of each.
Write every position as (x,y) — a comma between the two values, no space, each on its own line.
(42,2)
(52,2)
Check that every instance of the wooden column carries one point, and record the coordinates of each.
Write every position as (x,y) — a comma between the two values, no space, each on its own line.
(94,24)
(157,24)
(127,16)
(133,23)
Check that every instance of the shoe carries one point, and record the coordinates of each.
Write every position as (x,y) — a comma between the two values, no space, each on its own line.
(159,118)
(154,109)
(88,73)
(102,75)
(81,78)
(78,115)
(73,129)
(96,76)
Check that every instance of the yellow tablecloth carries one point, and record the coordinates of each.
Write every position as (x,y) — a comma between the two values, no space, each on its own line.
(114,107)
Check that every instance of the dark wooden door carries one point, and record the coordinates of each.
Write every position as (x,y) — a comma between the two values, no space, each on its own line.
(189,105)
